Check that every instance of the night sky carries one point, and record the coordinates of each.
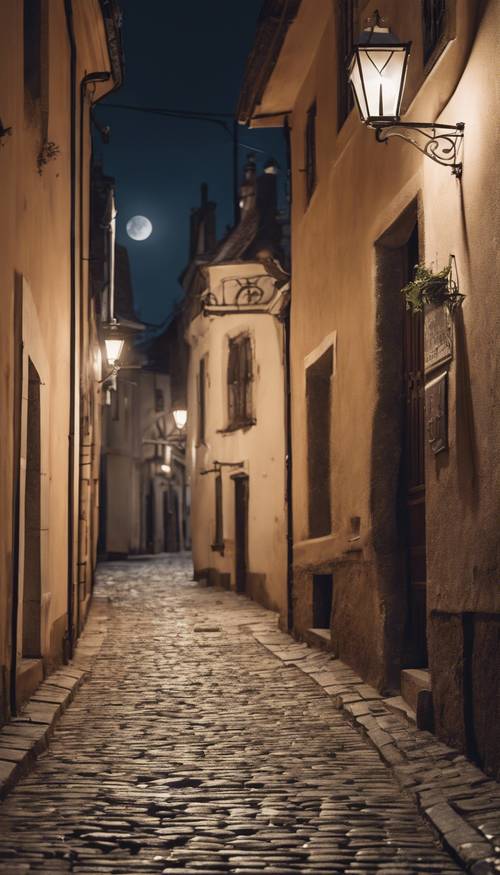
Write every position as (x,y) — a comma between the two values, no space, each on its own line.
(180,55)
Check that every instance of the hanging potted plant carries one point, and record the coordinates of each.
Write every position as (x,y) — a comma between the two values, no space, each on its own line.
(432,288)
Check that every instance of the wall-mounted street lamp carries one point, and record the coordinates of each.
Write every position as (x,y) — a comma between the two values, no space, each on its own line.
(377,73)
(113,342)
(180,418)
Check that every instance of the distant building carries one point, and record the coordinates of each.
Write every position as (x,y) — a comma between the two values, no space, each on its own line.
(56,60)
(395,416)
(236,295)
(144,501)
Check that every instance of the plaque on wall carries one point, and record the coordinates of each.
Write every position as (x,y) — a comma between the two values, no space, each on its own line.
(438,337)
(436,413)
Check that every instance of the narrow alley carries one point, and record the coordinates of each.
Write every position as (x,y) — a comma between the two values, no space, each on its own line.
(193,748)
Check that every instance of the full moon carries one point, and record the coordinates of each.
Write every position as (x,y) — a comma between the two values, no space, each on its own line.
(139,228)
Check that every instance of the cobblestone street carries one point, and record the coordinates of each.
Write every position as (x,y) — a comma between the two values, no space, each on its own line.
(193,748)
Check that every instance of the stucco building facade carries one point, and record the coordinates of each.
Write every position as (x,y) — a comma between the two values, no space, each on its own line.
(236,297)
(56,59)
(395,417)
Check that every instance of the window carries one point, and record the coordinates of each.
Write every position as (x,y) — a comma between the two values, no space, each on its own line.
(311,152)
(346,35)
(159,401)
(239,382)
(35,52)
(433,26)
(319,402)
(33,48)
(202,376)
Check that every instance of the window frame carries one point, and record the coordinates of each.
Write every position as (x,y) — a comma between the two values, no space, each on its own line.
(240,361)
(440,42)
(201,386)
(312,365)
(347,26)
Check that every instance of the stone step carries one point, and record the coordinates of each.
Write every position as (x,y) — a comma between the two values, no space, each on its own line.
(398,706)
(416,690)
(320,638)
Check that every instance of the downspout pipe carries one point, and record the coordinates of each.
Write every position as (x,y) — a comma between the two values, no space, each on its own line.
(16,504)
(88,79)
(70,633)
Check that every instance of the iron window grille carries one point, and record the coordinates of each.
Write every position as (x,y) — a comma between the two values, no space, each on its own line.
(433,26)
(239,382)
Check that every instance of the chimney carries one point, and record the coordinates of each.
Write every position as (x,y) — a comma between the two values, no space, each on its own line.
(267,204)
(203,226)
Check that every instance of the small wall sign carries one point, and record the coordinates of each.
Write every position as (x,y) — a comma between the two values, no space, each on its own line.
(436,413)
(438,337)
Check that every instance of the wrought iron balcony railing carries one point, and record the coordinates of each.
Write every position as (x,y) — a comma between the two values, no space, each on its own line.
(261,293)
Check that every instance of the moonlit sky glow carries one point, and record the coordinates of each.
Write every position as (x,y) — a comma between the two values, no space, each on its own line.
(139,228)
(177,56)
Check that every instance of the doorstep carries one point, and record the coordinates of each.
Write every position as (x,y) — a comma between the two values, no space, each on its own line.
(320,638)
(26,736)
(29,677)
(453,794)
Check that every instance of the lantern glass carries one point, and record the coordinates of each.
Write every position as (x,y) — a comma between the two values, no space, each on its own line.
(377,73)
(114,348)
(180,418)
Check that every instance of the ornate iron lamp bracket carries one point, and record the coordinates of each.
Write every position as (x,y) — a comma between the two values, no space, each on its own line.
(441,143)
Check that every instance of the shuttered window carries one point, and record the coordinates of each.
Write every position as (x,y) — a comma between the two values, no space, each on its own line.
(239,382)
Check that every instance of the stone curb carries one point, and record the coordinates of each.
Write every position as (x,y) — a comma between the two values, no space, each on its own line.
(25,737)
(452,794)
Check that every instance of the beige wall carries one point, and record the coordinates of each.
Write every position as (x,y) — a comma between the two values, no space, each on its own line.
(130,466)
(261,448)
(337,285)
(35,278)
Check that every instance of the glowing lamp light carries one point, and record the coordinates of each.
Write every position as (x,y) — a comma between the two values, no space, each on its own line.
(166,469)
(180,418)
(377,73)
(114,348)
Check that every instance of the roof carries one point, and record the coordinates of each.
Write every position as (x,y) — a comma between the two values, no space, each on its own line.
(112,16)
(273,23)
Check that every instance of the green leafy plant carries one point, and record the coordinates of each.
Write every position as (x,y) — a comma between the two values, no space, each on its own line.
(432,288)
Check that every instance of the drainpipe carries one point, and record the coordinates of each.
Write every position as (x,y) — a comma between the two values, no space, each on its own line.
(89,78)
(288,411)
(18,382)
(70,633)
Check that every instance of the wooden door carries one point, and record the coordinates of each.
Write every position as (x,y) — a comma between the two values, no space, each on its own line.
(241,531)
(413,470)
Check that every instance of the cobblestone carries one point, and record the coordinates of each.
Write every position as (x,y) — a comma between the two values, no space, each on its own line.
(192,748)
